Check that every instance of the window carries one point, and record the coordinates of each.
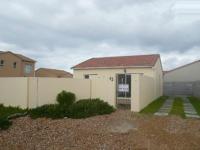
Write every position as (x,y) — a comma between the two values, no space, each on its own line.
(86,76)
(28,69)
(14,65)
(1,63)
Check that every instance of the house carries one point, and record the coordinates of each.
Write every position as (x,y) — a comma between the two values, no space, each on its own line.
(46,72)
(16,65)
(120,70)
(183,80)
(186,73)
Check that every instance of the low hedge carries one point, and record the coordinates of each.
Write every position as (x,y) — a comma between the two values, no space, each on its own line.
(89,107)
(49,111)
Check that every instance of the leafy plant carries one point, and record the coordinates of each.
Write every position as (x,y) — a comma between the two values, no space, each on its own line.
(49,111)
(5,123)
(89,107)
(66,98)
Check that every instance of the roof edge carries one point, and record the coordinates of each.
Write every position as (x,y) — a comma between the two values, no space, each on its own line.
(74,67)
(183,66)
(115,67)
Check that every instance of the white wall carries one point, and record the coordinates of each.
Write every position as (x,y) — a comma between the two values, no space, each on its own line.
(13,91)
(143,92)
(188,73)
(48,88)
(32,92)
(104,89)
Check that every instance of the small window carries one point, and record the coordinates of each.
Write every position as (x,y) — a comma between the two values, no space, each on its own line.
(14,65)
(28,69)
(1,63)
(86,76)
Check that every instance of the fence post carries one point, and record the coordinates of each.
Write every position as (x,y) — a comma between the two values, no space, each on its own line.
(27,92)
(90,88)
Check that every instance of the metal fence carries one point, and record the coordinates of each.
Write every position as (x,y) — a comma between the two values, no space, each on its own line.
(182,88)
(196,89)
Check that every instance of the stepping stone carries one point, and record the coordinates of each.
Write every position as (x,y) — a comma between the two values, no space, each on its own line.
(189,109)
(192,116)
(165,109)
(161,114)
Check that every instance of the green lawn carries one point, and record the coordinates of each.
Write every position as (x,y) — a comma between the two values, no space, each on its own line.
(178,108)
(196,103)
(154,106)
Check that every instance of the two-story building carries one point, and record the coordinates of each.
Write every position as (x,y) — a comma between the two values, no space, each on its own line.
(16,65)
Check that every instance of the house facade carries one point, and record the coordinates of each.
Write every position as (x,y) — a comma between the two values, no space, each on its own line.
(16,65)
(53,73)
(184,80)
(119,70)
(187,73)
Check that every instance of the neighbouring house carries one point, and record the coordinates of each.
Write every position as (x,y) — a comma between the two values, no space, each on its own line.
(120,70)
(187,73)
(16,65)
(183,80)
(55,73)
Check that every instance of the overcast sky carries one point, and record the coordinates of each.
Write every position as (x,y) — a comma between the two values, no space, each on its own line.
(62,33)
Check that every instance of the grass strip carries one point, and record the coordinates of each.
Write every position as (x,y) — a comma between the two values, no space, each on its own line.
(154,106)
(196,103)
(178,108)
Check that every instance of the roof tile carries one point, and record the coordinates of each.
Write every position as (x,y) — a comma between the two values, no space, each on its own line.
(119,61)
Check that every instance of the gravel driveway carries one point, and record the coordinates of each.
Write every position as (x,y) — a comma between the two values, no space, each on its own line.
(120,130)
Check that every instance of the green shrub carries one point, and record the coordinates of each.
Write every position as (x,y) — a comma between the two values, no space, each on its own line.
(4,123)
(65,99)
(89,107)
(49,111)
(6,111)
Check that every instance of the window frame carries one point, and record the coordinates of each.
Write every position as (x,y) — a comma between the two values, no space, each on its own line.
(29,69)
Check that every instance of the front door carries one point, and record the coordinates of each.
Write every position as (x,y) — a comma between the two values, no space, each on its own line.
(124,86)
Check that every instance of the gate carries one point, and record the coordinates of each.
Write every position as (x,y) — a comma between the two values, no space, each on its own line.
(123,88)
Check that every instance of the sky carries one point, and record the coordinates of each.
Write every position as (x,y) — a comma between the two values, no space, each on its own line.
(62,33)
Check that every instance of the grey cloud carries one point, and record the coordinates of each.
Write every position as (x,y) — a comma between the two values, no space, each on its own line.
(81,27)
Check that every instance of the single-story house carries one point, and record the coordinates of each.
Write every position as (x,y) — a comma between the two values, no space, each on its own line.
(120,69)
(54,73)
(187,73)
(183,80)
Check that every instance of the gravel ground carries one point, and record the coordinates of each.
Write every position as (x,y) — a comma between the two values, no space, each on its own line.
(120,130)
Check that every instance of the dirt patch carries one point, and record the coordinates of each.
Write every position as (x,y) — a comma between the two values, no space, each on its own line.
(120,130)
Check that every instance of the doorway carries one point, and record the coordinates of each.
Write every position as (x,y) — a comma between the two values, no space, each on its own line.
(123,88)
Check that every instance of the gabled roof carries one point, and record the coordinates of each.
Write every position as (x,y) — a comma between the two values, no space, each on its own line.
(22,57)
(197,61)
(54,72)
(119,61)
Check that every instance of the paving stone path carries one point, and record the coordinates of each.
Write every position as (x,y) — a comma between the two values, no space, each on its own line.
(165,109)
(189,109)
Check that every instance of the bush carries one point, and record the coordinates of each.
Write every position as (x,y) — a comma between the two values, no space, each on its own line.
(65,99)
(6,111)
(5,123)
(89,107)
(49,111)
